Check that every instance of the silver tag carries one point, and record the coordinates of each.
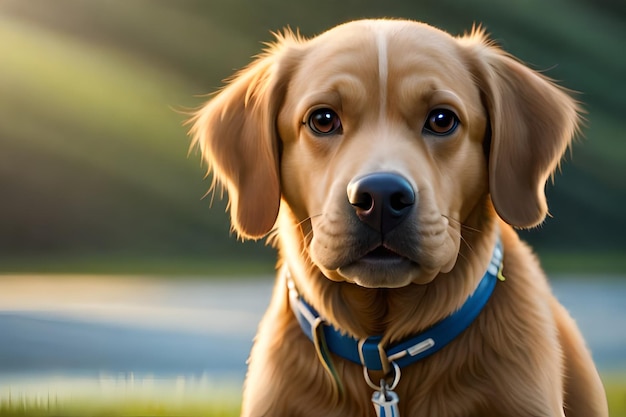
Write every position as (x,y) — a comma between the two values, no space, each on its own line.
(385,402)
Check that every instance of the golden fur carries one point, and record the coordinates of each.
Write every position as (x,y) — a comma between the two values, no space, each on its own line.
(524,355)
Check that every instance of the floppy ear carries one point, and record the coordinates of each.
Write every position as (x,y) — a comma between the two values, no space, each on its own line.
(533,122)
(237,136)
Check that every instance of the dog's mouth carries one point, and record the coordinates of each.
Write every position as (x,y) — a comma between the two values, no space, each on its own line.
(380,267)
(382,254)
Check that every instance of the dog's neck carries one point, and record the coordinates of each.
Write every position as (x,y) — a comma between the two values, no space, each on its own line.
(396,313)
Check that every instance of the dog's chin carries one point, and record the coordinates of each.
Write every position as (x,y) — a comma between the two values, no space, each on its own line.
(382,269)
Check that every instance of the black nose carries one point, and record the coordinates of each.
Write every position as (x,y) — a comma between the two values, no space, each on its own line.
(381,200)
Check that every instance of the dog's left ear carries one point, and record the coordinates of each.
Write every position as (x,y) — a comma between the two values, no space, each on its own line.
(236,133)
(533,122)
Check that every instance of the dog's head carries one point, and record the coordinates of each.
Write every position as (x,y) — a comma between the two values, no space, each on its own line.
(381,138)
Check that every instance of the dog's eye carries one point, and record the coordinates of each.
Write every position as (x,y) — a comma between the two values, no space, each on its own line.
(324,122)
(441,122)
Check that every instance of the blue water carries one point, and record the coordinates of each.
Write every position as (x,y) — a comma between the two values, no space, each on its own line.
(197,329)
(599,307)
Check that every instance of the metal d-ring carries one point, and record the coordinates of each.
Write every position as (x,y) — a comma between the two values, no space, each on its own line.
(394,384)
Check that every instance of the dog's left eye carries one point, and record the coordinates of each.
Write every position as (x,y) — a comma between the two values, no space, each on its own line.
(324,122)
(441,122)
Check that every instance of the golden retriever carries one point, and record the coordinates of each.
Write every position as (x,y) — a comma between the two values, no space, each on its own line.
(389,158)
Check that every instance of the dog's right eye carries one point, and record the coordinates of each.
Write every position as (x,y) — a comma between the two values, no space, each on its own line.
(324,122)
(441,122)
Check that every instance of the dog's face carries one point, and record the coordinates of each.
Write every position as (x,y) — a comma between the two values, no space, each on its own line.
(382,138)
(383,152)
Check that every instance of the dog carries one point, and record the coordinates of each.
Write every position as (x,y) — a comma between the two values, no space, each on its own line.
(390,163)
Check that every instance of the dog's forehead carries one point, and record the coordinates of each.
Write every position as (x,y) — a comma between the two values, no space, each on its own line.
(398,38)
(379,61)
(366,47)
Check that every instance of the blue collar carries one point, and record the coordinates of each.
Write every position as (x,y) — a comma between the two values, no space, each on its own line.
(374,357)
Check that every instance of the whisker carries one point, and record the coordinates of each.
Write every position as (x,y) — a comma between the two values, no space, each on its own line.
(463,241)
(308,218)
(463,226)
(462,238)
(307,238)
(309,234)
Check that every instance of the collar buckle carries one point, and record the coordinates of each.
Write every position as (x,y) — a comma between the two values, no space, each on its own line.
(372,354)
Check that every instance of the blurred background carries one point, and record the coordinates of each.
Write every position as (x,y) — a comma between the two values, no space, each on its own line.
(96,175)
(94,166)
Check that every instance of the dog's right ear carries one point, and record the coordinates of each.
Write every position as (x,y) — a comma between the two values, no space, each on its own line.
(533,122)
(236,133)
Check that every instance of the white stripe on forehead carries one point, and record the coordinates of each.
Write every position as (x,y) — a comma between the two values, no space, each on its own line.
(383,70)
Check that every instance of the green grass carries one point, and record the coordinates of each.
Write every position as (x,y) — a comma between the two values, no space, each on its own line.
(616,392)
(213,404)
(584,263)
(145,266)
(119,395)
(123,407)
